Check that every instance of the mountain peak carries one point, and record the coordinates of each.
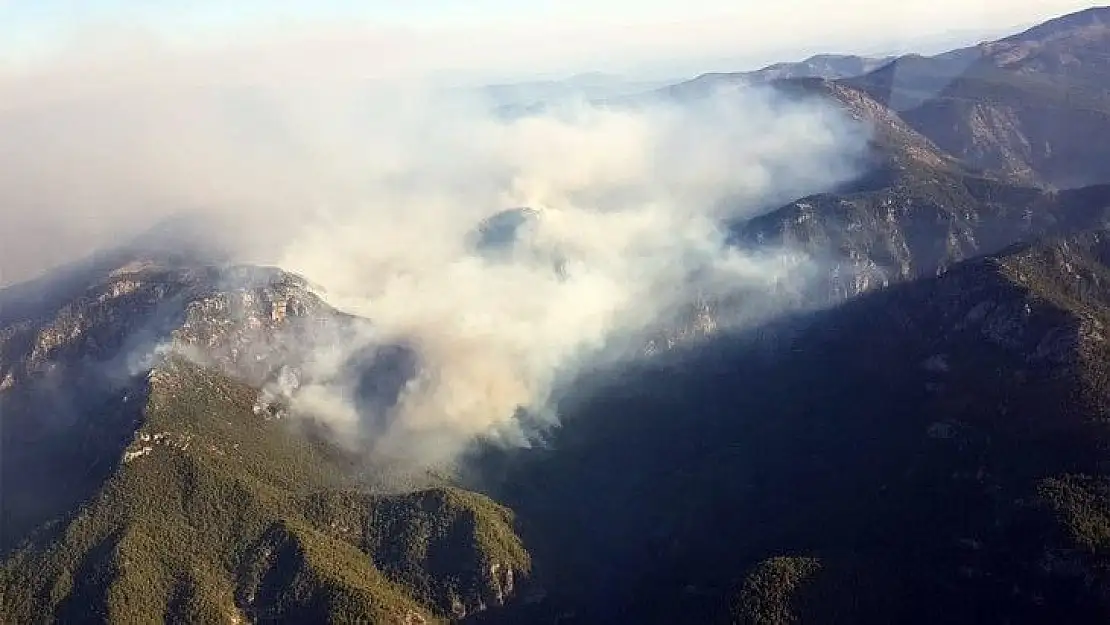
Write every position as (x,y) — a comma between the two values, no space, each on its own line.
(1094,19)
(188,439)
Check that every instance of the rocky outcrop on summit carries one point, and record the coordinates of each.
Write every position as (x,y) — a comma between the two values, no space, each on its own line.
(73,361)
(116,320)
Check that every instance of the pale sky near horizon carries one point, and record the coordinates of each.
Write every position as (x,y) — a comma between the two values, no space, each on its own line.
(563,35)
(111,107)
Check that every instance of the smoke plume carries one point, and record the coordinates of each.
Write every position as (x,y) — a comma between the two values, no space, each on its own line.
(493,255)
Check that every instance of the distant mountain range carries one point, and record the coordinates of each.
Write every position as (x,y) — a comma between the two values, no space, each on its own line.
(584,87)
(925,440)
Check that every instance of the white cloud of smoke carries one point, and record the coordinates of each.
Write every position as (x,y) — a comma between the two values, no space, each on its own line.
(375,193)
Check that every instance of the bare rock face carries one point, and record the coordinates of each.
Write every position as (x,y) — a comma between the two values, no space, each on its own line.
(256,324)
(74,352)
(236,317)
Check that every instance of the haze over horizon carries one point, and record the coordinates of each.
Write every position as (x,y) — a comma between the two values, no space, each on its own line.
(446,312)
(83,56)
(468,41)
(371,188)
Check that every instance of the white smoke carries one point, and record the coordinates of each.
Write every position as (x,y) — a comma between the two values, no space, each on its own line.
(626,229)
(376,193)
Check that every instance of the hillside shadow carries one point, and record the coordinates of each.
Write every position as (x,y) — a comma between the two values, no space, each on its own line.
(823,433)
(60,442)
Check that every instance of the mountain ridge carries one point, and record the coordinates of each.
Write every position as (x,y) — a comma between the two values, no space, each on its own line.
(923,439)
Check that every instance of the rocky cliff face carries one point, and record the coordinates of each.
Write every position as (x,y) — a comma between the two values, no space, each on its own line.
(235,316)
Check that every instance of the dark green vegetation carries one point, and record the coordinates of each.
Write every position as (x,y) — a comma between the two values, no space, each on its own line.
(925,441)
(160,490)
(940,459)
(218,515)
(930,450)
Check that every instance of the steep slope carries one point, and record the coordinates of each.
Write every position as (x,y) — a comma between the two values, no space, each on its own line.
(153,485)
(930,448)
(897,151)
(72,344)
(1033,107)
(874,238)
(1072,45)
(216,512)
(934,452)
(924,200)
(915,210)
(938,189)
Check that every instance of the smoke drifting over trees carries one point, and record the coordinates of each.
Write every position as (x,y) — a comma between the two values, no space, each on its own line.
(374,190)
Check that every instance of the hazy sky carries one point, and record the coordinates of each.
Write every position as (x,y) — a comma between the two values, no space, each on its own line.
(514,36)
